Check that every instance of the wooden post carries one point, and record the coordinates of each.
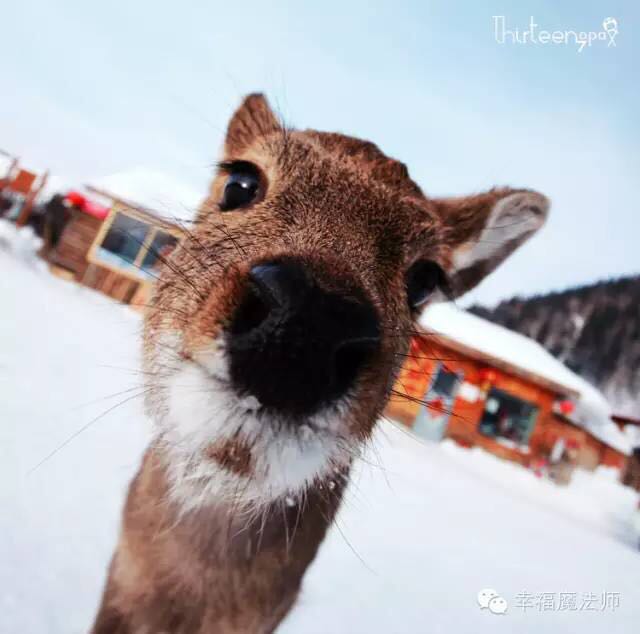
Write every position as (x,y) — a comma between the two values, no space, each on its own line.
(27,207)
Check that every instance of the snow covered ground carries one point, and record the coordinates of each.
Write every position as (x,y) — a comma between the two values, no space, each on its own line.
(424,528)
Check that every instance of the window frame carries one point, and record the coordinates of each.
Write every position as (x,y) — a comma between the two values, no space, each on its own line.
(154,229)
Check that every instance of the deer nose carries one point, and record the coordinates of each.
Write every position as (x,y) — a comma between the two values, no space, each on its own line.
(295,346)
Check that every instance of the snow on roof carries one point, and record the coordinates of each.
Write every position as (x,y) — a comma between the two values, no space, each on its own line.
(592,412)
(499,342)
(153,190)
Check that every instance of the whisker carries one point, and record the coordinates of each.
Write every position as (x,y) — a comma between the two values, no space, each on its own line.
(108,397)
(82,429)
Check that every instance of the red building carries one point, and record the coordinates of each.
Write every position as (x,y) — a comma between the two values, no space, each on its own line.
(483,385)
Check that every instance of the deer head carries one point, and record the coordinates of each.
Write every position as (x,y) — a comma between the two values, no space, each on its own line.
(279,324)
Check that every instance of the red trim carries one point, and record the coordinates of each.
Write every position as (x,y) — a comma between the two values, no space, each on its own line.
(81,202)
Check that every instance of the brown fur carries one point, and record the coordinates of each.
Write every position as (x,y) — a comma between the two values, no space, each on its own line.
(358,221)
(211,571)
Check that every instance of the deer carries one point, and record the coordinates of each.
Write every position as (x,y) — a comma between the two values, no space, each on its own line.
(270,347)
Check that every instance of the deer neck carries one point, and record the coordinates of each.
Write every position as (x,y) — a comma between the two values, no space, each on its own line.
(215,568)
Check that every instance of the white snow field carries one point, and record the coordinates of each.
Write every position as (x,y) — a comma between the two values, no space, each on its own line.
(423,530)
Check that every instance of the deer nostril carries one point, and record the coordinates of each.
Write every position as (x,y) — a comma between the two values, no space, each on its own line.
(272,289)
(253,311)
(349,359)
(267,280)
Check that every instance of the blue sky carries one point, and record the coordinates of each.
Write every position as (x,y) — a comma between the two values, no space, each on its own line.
(89,89)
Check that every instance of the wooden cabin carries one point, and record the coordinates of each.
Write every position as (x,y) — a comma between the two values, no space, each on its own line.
(114,251)
(483,385)
(119,253)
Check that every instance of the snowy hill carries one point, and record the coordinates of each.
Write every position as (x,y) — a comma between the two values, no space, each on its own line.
(424,527)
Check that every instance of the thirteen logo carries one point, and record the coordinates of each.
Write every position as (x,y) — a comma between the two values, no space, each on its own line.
(505,33)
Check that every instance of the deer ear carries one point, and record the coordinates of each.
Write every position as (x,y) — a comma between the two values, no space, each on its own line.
(485,228)
(254,118)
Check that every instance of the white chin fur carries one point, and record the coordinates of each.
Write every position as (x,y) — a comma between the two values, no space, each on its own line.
(196,408)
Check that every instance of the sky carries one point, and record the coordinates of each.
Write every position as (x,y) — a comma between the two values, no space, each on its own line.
(90,89)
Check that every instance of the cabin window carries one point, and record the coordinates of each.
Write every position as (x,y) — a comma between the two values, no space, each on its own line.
(160,247)
(507,418)
(123,242)
(445,382)
(133,246)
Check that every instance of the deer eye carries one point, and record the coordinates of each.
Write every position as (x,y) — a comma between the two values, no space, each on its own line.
(241,187)
(423,279)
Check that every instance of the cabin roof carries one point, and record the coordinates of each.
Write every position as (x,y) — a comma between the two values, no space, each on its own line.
(485,341)
(623,419)
(156,193)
